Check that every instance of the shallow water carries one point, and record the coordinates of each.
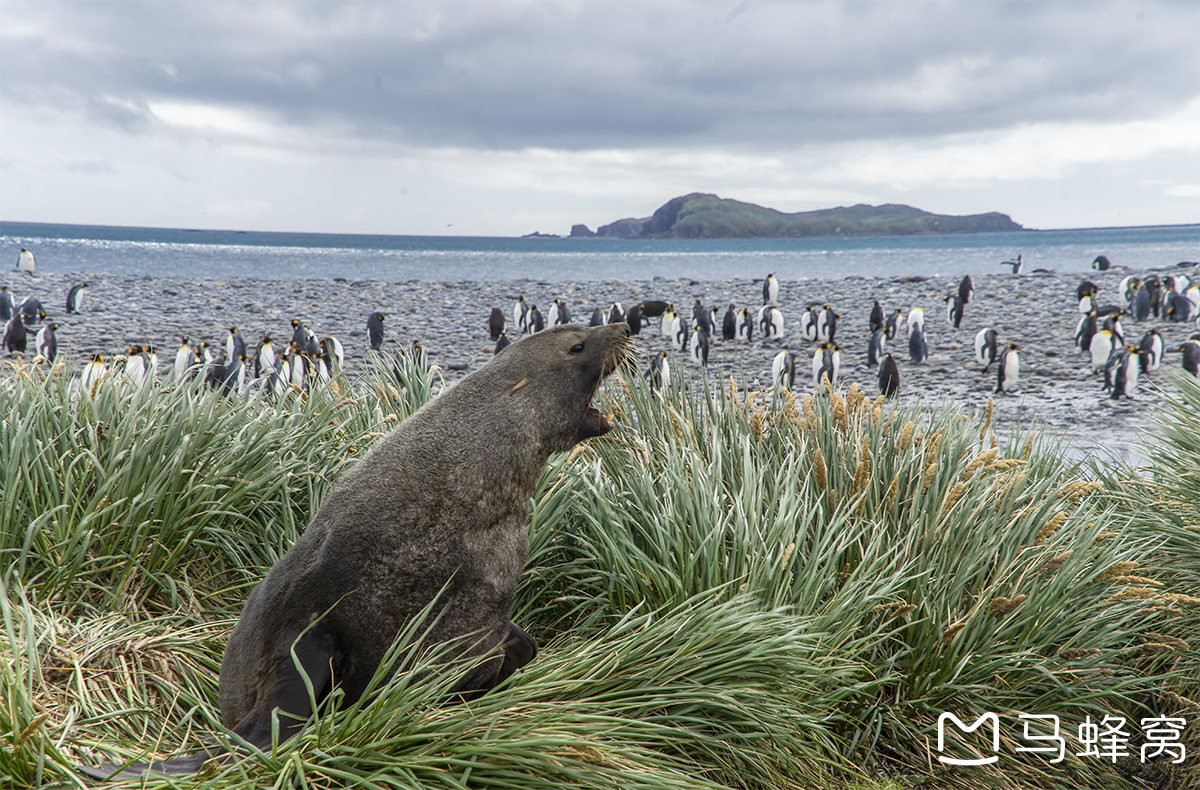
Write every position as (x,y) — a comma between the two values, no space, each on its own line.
(166,252)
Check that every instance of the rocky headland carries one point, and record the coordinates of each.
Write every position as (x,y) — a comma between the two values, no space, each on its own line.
(704,216)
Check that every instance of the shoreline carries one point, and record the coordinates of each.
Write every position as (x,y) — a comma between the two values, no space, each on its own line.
(1036,311)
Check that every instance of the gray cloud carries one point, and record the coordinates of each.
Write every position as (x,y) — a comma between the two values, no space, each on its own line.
(601,75)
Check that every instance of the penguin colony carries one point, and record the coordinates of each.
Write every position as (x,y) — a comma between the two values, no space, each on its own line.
(742,324)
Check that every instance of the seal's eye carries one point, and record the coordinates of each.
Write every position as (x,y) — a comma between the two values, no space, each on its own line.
(577,348)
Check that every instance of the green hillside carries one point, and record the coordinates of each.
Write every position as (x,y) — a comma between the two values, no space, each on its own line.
(703,216)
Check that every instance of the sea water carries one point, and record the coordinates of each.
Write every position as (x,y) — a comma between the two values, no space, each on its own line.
(208,253)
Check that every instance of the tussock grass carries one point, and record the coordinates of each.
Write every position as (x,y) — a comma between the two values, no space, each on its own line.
(732,589)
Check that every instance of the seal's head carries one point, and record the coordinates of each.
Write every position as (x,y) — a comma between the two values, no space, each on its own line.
(551,377)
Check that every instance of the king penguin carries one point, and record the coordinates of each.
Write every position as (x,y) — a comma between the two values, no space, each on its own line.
(1191,356)
(1128,288)
(1084,288)
(1015,264)
(597,318)
(892,326)
(502,342)
(876,347)
(698,344)
(808,325)
(729,325)
(235,344)
(1125,381)
(745,326)
(6,303)
(75,298)
(773,324)
(46,343)
(918,349)
(633,317)
(659,372)
(701,316)
(954,310)
(1154,291)
(770,289)
(519,310)
(827,361)
(1152,348)
(135,366)
(966,289)
(876,316)
(375,330)
(1101,348)
(534,320)
(15,338)
(679,341)
(183,359)
(986,350)
(495,323)
(783,370)
(1085,331)
(889,377)
(264,357)
(25,262)
(93,371)
(823,324)
(1141,305)
(31,310)
(667,322)
(1009,375)
(335,355)
(562,315)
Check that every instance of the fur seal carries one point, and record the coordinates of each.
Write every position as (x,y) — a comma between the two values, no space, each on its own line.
(439,504)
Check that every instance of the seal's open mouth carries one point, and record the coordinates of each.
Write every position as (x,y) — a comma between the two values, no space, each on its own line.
(598,422)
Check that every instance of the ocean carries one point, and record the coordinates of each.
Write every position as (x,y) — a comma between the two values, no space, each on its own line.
(160,252)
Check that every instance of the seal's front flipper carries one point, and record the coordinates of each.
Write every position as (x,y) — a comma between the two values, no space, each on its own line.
(289,693)
(519,650)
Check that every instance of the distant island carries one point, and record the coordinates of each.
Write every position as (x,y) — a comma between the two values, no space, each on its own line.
(702,216)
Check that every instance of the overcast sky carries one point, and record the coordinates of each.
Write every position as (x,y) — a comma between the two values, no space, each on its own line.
(503,118)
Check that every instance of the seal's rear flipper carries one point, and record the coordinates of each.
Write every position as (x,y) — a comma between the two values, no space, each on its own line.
(180,765)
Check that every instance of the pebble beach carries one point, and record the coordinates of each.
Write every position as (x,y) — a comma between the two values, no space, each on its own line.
(1036,311)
